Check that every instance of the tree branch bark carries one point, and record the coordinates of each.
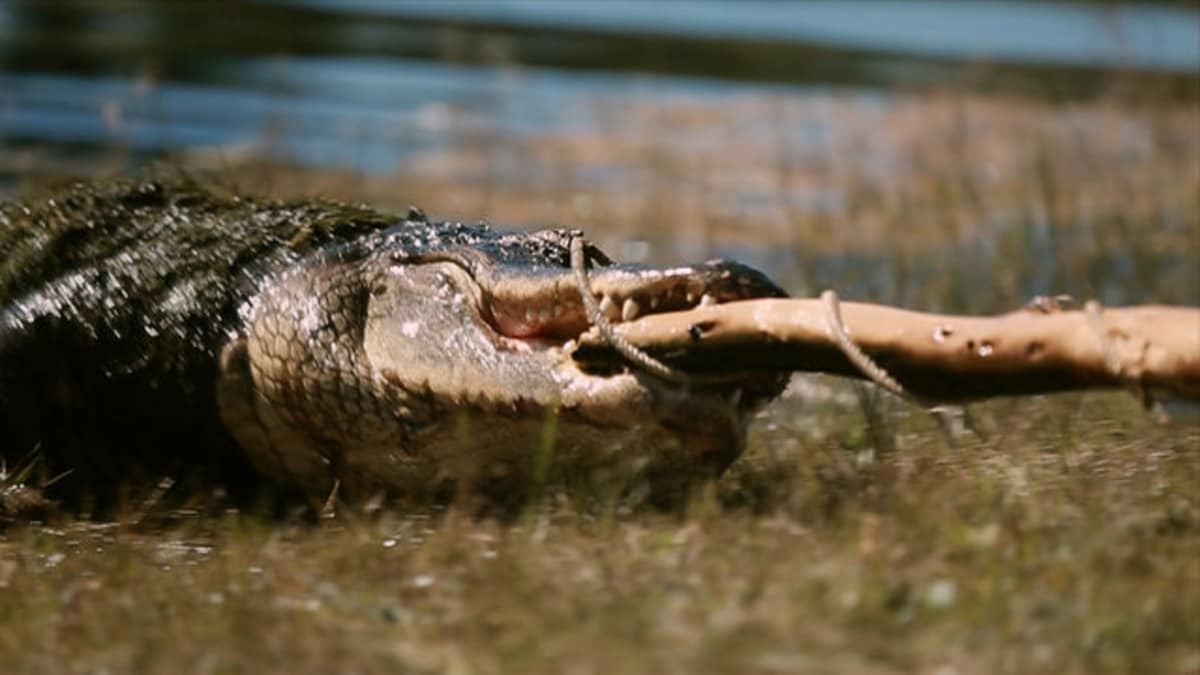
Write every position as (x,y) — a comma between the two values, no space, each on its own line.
(941,357)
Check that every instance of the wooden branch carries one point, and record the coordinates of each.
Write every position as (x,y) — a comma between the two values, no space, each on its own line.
(940,357)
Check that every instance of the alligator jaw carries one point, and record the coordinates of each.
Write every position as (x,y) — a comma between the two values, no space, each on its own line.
(512,331)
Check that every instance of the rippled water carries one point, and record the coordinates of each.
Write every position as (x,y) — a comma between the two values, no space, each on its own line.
(364,84)
(1139,35)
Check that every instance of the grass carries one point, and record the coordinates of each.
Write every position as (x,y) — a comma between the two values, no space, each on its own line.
(939,201)
(1062,536)
(1064,541)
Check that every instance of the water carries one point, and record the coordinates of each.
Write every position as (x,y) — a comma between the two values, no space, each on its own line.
(1144,36)
(365,84)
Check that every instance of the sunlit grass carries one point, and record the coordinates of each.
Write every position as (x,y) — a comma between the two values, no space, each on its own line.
(1063,541)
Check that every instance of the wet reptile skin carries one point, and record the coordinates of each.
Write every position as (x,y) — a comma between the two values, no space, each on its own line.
(152,328)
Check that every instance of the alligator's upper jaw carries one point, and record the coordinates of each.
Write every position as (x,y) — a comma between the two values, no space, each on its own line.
(523,306)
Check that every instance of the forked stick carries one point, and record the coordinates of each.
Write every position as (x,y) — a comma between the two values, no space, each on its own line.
(1150,348)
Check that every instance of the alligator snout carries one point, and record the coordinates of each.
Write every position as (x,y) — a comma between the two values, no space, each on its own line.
(551,306)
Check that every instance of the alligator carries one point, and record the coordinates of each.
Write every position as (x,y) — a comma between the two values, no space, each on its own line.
(159,327)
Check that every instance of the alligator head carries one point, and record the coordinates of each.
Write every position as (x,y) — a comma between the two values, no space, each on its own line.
(436,353)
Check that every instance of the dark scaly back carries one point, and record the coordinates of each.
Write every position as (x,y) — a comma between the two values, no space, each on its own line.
(117,297)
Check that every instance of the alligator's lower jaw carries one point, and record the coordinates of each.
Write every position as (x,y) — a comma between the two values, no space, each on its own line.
(610,435)
(532,406)
(510,459)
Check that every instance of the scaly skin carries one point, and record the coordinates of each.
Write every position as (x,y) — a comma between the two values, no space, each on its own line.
(159,328)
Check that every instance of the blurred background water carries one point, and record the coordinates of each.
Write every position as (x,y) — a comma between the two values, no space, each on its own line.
(363,83)
(751,121)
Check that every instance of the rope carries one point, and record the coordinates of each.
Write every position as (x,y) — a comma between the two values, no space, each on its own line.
(622,346)
(953,419)
(853,353)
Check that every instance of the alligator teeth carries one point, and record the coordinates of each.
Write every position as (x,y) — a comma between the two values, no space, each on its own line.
(630,310)
(608,307)
(707,300)
(654,302)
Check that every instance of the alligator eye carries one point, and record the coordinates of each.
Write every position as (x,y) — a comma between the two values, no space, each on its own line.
(444,284)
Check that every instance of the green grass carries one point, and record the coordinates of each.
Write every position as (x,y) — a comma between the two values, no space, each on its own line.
(1067,540)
